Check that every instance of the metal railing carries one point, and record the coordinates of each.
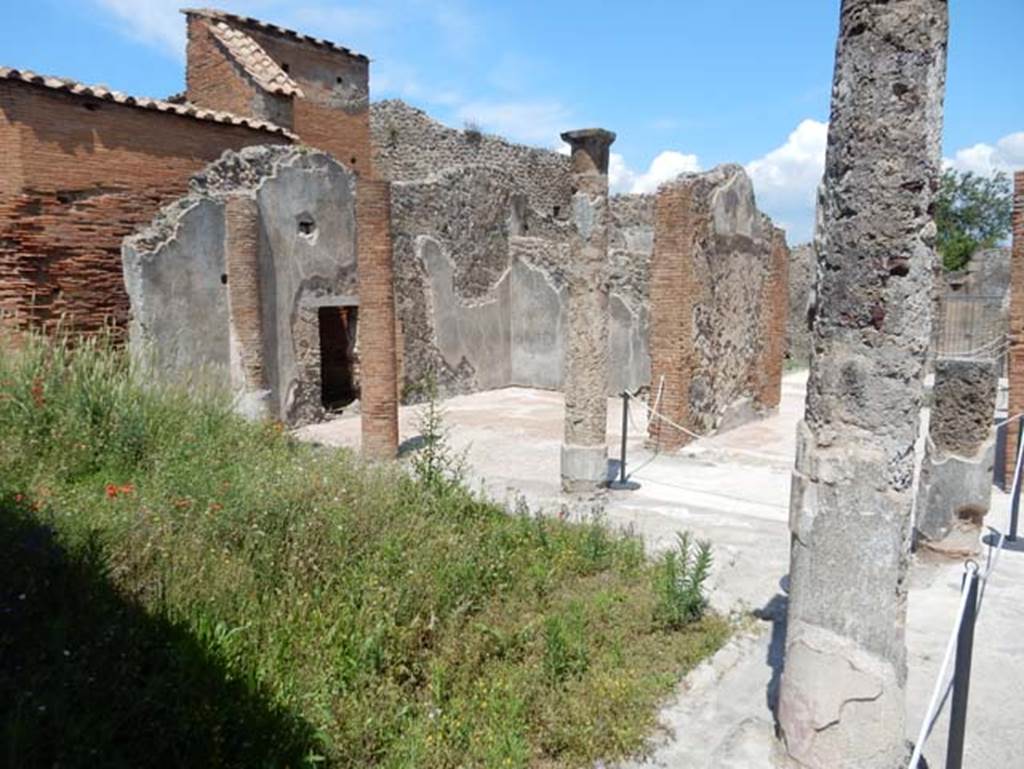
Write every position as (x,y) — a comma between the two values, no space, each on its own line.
(961,640)
(970,326)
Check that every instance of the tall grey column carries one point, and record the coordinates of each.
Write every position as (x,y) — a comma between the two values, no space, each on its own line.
(955,485)
(584,450)
(841,701)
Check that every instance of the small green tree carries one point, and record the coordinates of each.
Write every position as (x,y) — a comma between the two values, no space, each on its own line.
(971,212)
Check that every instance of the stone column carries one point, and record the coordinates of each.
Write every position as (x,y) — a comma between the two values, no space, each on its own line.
(955,486)
(841,700)
(245,311)
(377,362)
(1015,360)
(584,450)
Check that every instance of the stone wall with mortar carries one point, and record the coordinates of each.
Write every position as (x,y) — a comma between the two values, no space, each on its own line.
(408,144)
(714,281)
(177,277)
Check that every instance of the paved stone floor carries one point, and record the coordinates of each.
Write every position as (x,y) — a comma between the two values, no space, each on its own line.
(734,490)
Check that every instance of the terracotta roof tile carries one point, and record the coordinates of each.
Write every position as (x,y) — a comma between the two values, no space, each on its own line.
(254,60)
(211,13)
(185,109)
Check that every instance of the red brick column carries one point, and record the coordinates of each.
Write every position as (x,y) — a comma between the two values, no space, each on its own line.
(242,267)
(1016,353)
(378,364)
(774,313)
(671,328)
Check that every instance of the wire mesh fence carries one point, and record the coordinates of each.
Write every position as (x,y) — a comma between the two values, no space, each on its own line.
(971,326)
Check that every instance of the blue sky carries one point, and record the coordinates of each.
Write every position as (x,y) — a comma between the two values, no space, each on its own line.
(686,84)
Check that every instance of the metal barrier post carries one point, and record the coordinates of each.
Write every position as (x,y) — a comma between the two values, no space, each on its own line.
(962,673)
(1015,506)
(625,428)
(622,484)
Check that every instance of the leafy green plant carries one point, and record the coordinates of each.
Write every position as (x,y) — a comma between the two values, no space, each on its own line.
(180,586)
(565,646)
(436,464)
(679,582)
(972,212)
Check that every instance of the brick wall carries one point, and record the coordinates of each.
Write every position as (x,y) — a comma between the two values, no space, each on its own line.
(345,135)
(331,115)
(1016,351)
(774,313)
(378,364)
(671,329)
(92,172)
(212,79)
(242,263)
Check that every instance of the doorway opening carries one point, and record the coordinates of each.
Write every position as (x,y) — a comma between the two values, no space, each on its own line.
(338,364)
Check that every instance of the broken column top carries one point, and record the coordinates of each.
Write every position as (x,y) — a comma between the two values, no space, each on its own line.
(589,149)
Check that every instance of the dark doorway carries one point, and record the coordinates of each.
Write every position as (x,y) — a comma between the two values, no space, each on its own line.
(339,383)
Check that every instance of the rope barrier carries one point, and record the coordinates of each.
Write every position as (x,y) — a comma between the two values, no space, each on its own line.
(992,348)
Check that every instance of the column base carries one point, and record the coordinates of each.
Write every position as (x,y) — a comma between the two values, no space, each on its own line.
(584,468)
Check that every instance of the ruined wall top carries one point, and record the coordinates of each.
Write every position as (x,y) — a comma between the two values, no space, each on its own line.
(408,144)
(240,172)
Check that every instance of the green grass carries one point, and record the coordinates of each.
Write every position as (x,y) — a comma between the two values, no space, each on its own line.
(182,588)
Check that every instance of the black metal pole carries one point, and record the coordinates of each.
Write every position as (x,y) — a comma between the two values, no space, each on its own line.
(625,428)
(1015,507)
(962,676)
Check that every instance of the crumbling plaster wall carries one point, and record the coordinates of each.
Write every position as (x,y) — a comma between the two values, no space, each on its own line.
(177,282)
(481,234)
(480,283)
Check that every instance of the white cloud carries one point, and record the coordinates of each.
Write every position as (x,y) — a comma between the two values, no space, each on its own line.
(667,165)
(153,22)
(532,122)
(1007,155)
(786,179)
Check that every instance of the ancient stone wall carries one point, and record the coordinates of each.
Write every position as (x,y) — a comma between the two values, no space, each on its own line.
(714,286)
(87,172)
(408,144)
(481,251)
(179,278)
(802,266)
(480,277)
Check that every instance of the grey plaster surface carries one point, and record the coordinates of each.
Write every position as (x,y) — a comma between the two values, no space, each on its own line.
(177,284)
(179,315)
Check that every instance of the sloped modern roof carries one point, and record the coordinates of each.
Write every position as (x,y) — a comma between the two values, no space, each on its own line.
(273,29)
(185,109)
(251,57)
